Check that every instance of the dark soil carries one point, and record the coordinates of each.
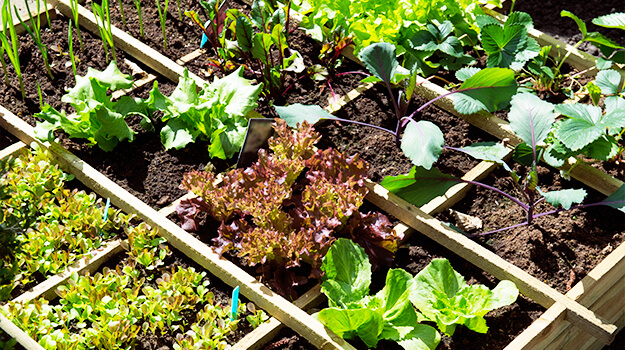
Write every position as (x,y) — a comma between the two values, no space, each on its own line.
(558,249)
(547,19)
(6,139)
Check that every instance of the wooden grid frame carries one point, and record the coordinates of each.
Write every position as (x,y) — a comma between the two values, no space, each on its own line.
(586,315)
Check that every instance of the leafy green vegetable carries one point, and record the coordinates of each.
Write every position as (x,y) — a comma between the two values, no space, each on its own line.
(422,143)
(442,296)
(353,313)
(98,119)
(216,114)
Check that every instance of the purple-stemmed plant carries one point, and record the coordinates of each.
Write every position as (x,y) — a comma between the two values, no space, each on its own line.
(422,141)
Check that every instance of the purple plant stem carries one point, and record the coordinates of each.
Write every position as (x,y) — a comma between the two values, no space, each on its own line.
(512,198)
(358,123)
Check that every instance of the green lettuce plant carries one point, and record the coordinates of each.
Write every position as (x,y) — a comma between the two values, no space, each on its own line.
(438,292)
(216,114)
(98,118)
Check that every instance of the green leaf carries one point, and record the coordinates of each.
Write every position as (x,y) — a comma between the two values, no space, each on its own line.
(349,324)
(609,81)
(594,92)
(398,313)
(613,20)
(422,337)
(531,118)
(442,295)
(297,113)
(176,134)
(347,273)
(616,200)
(233,91)
(580,24)
(489,89)
(502,43)
(465,73)
(422,142)
(380,60)
(565,198)
(586,124)
(603,64)
(491,151)
(524,154)
(437,38)
(244,33)
(260,48)
(419,186)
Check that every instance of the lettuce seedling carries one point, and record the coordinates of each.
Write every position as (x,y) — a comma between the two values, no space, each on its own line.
(216,114)
(532,120)
(442,296)
(98,119)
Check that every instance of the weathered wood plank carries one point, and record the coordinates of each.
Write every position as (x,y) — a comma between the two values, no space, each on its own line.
(13,150)
(15,332)
(489,262)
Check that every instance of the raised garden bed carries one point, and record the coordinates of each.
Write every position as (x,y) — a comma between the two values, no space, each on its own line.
(568,316)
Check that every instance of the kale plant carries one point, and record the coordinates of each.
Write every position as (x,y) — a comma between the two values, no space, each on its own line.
(309,198)
(532,120)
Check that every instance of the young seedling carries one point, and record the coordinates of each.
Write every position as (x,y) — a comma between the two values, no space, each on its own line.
(12,48)
(35,34)
(74,6)
(162,15)
(138,6)
(121,11)
(70,44)
(103,20)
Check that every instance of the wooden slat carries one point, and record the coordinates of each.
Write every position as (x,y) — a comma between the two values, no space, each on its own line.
(140,51)
(489,261)
(91,264)
(15,332)
(335,106)
(13,150)
(268,330)
(592,291)
(274,304)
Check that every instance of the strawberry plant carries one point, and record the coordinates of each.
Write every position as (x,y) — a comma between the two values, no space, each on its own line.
(308,196)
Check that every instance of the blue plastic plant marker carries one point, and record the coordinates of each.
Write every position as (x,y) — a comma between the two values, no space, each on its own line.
(204,37)
(235,303)
(106,209)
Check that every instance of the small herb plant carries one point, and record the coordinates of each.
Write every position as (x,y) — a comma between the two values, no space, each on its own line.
(438,292)
(138,7)
(75,16)
(259,42)
(532,120)
(162,16)
(307,196)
